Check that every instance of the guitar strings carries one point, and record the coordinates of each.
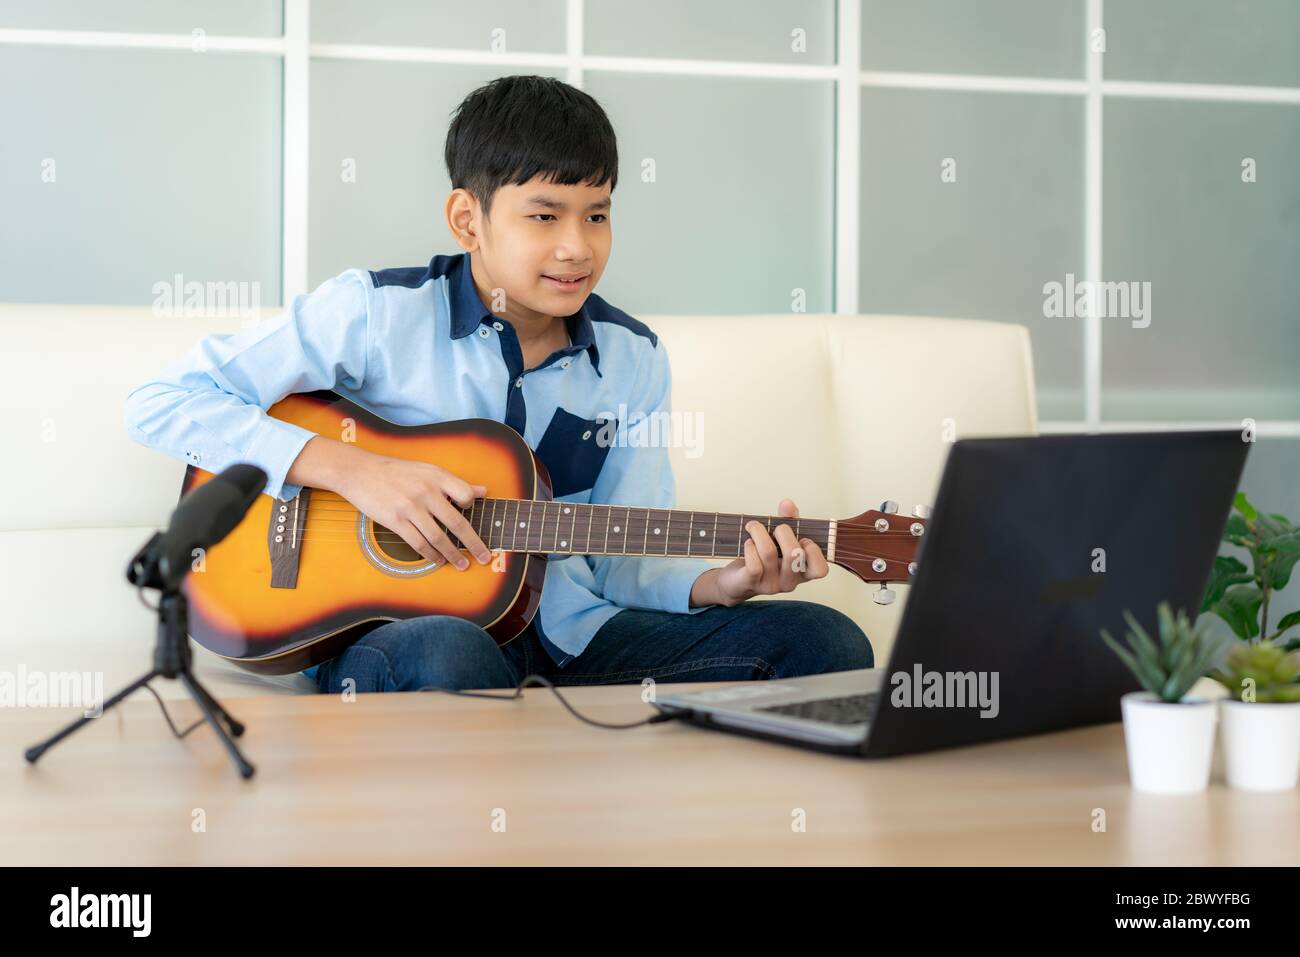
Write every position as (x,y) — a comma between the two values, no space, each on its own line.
(344,531)
(840,550)
(731,522)
(343,528)
(724,521)
(542,549)
(353,510)
(674,535)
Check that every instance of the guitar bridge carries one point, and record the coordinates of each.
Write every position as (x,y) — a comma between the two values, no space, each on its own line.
(284,538)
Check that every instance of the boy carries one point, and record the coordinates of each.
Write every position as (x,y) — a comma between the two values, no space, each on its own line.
(509,329)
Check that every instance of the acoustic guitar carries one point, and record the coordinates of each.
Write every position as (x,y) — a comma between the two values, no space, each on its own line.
(296,582)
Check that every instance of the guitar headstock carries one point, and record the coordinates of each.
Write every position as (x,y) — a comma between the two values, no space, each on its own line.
(880,545)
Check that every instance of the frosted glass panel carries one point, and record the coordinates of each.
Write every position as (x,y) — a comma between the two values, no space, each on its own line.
(1221,255)
(1043,38)
(377,198)
(982,245)
(1204,41)
(769,31)
(122,168)
(500,25)
(739,216)
(232,17)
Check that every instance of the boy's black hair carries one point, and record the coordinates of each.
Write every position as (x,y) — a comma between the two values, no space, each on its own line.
(518,127)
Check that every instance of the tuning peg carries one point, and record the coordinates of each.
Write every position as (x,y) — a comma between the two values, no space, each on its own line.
(883,597)
(889,506)
(921,511)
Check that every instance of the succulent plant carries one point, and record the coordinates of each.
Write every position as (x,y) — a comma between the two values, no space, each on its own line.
(1183,655)
(1261,671)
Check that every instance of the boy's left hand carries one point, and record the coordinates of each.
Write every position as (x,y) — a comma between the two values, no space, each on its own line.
(765,570)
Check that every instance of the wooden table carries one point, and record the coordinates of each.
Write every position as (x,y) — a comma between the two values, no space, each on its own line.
(432,779)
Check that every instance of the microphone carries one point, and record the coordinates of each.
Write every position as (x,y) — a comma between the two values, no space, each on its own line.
(202,519)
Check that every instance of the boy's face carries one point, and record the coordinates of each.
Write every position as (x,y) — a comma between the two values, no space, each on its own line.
(545,245)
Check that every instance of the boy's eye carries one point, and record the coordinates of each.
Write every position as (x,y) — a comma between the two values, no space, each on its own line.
(538,215)
(600,217)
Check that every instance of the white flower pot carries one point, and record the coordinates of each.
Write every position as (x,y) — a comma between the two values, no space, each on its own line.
(1169,745)
(1261,744)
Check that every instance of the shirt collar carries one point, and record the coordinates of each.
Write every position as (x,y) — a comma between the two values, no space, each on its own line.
(468,313)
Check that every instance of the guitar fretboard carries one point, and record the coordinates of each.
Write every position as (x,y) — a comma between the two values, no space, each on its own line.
(526,525)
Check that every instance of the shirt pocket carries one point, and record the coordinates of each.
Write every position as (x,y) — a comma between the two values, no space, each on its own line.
(571,451)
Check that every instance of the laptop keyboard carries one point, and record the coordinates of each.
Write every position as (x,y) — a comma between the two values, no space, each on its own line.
(850,709)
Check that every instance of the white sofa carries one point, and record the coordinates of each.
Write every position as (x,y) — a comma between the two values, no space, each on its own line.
(836,412)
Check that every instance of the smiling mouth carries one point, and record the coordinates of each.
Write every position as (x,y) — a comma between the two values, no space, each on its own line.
(567,283)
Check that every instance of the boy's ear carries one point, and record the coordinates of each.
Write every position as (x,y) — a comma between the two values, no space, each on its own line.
(462,211)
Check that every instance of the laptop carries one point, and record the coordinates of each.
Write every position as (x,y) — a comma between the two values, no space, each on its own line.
(1035,544)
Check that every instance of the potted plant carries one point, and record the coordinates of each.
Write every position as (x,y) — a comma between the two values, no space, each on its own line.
(1242,596)
(1261,719)
(1169,734)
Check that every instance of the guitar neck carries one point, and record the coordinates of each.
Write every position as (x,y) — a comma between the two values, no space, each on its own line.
(526,525)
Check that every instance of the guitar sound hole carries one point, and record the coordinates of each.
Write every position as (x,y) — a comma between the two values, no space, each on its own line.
(394,546)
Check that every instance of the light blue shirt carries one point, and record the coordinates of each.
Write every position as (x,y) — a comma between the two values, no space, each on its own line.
(416,345)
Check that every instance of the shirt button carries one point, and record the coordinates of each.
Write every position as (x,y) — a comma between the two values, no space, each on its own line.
(586,435)
(519,383)
(482,332)
(564,363)
(497,326)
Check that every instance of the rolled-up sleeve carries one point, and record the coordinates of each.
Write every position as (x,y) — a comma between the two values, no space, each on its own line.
(209,407)
(639,474)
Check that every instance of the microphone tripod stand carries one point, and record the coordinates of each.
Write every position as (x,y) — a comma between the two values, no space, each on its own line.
(171,659)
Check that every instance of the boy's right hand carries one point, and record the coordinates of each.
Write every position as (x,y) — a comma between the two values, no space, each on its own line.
(406,497)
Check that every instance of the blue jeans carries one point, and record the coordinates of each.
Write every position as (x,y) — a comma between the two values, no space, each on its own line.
(753,640)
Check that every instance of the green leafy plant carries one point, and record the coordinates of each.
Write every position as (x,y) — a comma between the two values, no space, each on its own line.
(1241,596)
(1260,671)
(1184,654)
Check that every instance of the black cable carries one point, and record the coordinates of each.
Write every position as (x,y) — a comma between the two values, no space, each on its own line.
(168,718)
(149,688)
(517,694)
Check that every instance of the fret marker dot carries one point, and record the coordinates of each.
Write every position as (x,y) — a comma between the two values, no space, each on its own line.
(523,524)
(564,544)
(702,533)
(566,511)
(656,531)
(616,528)
(498,523)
